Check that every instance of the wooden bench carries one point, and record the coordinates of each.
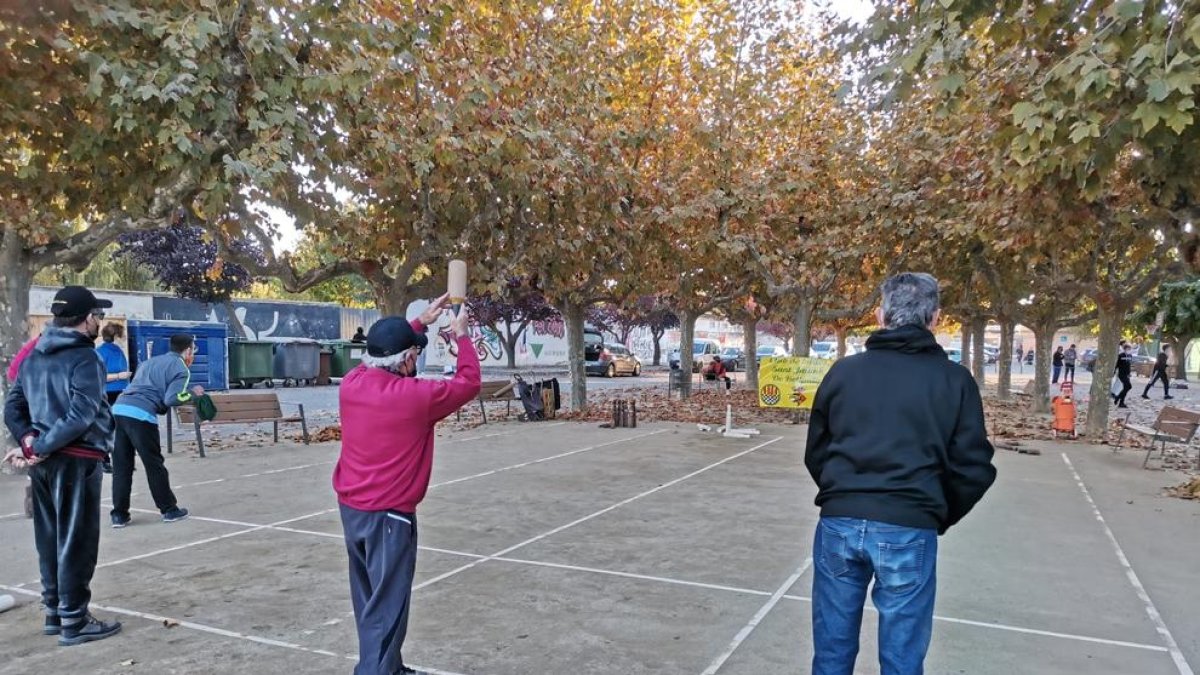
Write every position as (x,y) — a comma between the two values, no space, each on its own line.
(239,409)
(1173,425)
(493,391)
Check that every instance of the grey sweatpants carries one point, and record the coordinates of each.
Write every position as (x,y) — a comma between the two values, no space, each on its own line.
(382,546)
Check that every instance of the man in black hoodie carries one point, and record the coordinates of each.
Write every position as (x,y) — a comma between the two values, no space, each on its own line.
(899,452)
(1160,373)
(58,412)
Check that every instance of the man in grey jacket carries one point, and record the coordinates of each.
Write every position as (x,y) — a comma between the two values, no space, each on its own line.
(56,409)
(161,383)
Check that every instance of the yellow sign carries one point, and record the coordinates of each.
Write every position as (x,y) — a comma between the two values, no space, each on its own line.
(790,381)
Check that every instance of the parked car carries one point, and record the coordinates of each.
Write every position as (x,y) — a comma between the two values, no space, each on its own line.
(991,354)
(612,360)
(954,354)
(702,352)
(1088,359)
(733,358)
(767,351)
(823,349)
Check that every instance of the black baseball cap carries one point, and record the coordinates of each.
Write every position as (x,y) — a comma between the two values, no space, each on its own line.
(76,301)
(391,335)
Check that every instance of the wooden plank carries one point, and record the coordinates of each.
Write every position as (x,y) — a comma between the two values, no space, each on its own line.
(1172,414)
(224,415)
(256,398)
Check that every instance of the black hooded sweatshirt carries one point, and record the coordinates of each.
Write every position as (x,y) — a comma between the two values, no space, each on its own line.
(897,435)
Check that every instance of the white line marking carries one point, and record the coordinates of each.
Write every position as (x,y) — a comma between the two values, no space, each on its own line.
(754,620)
(543,459)
(12,515)
(1020,629)
(500,433)
(209,540)
(590,516)
(213,630)
(626,575)
(1181,663)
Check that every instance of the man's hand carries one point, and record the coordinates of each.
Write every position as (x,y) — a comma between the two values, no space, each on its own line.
(13,456)
(434,311)
(198,390)
(459,323)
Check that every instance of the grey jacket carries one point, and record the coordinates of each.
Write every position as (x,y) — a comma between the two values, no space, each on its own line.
(158,385)
(59,395)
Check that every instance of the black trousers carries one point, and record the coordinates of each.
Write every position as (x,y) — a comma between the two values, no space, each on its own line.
(1159,375)
(1126,385)
(382,546)
(66,528)
(141,437)
(1069,372)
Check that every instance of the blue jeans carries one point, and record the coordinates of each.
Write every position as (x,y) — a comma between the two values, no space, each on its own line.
(847,553)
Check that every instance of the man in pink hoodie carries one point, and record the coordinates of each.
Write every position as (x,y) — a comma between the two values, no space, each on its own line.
(388,418)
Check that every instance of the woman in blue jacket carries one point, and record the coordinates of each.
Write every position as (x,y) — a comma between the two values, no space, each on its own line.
(115,361)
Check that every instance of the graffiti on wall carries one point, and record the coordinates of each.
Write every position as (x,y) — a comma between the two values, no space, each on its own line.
(262,320)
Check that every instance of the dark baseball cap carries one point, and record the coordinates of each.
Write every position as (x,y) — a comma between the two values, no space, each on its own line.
(391,335)
(76,301)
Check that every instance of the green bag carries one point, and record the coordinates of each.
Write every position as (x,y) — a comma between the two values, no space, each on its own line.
(205,408)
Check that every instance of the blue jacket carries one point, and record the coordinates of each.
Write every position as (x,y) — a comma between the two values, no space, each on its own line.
(114,362)
(59,395)
(159,384)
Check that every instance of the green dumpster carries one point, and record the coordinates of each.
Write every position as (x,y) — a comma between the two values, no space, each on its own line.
(346,356)
(250,362)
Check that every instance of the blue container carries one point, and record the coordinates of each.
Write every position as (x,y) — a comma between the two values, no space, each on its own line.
(210,369)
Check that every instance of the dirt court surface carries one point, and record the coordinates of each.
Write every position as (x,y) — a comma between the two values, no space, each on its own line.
(563,548)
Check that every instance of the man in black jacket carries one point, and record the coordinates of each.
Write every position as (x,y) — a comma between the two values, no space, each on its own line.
(58,411)
(899,452)
(1160,373)
(1124,368)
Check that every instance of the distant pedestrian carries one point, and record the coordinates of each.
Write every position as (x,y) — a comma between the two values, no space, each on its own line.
(359,337)
(1160,373)
(898,448)
(161,383)
(57,412)
(1124,367)
(1057,364)
(716,371)
(1069,359)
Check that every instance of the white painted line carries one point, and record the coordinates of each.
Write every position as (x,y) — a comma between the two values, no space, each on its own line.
(626,575)
(1181,663)
(590,516)
(501,433)
(754,620)
(209,540)
(1021,629)
(12,515)
(543,459)
(213,630)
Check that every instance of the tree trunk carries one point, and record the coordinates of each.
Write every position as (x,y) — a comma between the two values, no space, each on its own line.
(510,343)
(573,315)
(965,346)
(1004,360)
(392,296)
(687,334)
(1179,352)
(1111,319)
(1043,337)
(657,334)
(841,332)
(232,319)
(750,348)
(802,327)
(16,276)
(979,358)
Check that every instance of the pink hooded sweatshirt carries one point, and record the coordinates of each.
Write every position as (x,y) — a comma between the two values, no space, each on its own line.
(14,366)
(387,431)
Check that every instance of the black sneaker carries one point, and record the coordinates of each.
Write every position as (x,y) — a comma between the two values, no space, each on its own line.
(52,626)
(1122,405)
(1167,398)
(174,514)
(119,521)
(405,670)
(1145,396)
(88,630)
